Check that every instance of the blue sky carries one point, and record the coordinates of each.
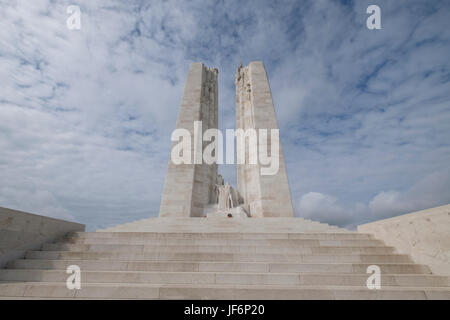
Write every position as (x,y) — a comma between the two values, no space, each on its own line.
(86,115)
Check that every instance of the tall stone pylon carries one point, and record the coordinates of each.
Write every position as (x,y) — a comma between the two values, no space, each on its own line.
(265,195)
(188,188)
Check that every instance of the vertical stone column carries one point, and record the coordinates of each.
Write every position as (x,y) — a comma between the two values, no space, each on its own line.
(189,187)
(266,195)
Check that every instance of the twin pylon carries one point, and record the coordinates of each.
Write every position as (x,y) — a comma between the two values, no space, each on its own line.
(191,188)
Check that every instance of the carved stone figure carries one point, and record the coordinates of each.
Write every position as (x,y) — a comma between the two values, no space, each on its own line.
(225,198)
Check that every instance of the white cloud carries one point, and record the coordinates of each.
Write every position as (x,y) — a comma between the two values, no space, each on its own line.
(326,208)
(86,115)
(431,191)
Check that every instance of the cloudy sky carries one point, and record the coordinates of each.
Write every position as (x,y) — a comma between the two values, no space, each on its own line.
(86,115)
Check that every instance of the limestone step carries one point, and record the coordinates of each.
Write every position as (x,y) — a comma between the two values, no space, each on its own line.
(226,257)
(222,235)
(226,242)
(285,279)
(178,224)
(226,292)
(309,228)
(196,266)
(216,248)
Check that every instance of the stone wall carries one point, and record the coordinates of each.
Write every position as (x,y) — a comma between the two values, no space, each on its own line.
(424,235)
(21,231)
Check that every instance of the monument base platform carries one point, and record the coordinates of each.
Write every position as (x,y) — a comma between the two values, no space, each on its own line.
(224,224)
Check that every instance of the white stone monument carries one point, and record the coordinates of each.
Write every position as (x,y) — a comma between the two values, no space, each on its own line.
(254,110)
(214,256)
(190,187)
(190,190)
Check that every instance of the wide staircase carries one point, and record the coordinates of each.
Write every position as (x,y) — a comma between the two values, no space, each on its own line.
(287,262)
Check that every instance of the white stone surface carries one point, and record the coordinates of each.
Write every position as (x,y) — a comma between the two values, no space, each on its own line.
(189,187)
(219,265)
(255,110)
(425,235)
(208,224)
(21,231)
(233,213)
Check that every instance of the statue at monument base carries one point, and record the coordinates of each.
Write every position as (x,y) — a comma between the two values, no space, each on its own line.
(227,203)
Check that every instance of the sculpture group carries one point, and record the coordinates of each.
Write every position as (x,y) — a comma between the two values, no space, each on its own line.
(196,189)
